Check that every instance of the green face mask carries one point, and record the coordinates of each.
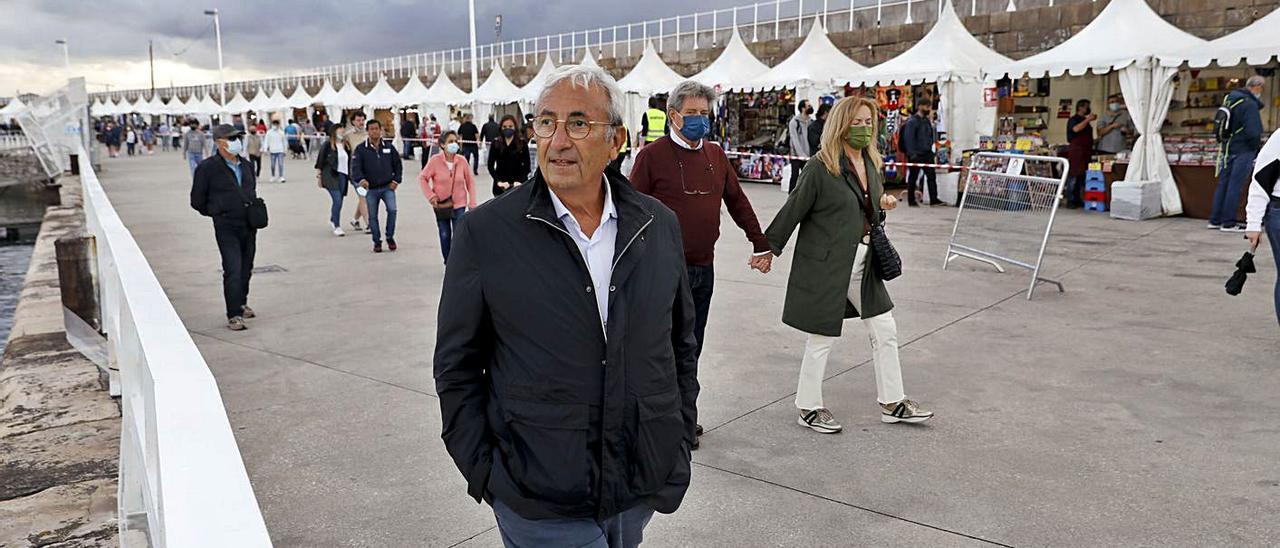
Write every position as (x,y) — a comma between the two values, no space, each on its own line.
(858,137)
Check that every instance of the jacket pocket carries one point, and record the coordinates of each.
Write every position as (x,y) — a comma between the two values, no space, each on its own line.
(548,456)
(659,435)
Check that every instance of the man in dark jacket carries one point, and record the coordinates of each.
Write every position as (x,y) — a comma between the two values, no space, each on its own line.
(818,124)
(918,137)
(220,188)
(489,131)
(569,399)
(408,131)
(376,166)
(470,137)
(1236,157)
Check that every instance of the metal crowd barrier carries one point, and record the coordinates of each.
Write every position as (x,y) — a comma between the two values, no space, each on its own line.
(182,481)
(1007,212)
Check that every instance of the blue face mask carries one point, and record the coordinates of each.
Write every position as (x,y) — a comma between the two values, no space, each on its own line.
(695,127)
(452,148)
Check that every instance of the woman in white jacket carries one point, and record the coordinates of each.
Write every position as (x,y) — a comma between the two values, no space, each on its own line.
(1262,211)
(275,144)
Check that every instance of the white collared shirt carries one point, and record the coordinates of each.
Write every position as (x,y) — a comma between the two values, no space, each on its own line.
(597,250)
(675,136)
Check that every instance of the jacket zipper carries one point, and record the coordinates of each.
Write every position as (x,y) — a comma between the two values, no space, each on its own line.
(633,239)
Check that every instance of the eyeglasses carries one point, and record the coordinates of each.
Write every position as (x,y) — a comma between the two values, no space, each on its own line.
(683,187)
(578,127)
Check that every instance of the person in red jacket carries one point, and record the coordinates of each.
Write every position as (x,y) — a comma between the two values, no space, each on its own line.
(693,176)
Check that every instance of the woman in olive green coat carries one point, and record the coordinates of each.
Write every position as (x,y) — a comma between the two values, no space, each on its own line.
(839,195)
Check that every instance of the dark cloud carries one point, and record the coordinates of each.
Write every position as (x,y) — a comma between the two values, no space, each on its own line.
(279,35)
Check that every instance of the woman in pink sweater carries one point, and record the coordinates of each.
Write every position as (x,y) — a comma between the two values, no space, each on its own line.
(446,181)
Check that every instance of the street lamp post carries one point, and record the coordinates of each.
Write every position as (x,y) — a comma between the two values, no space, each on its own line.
(66,54)
(217,32)
(474,61)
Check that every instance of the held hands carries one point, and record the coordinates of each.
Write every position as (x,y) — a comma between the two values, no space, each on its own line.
(763,263)
(364,183)
(888,202)
(504,185)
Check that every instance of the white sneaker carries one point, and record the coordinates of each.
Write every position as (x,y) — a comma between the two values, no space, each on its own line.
(1212,226)
(282,179)
(903,411)
(819,420)
(337,231)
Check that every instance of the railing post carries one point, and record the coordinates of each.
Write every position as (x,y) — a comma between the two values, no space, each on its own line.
(777,19)
(659,36)
(755,22)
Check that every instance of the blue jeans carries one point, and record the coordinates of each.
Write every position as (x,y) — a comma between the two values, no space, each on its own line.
(446,231)
(277,162)
(387,196)
(702,280)
(193,160)
(335,211)
(1271,225)
(625,530)
(1232,181)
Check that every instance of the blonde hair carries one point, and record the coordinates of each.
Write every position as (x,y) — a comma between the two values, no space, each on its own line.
(837,126)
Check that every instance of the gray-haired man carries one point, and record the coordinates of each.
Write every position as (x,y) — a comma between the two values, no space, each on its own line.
(693,176)
(569,399)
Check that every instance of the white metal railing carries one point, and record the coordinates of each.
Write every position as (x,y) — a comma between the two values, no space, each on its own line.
(758,21)
(182,481)
(14,141)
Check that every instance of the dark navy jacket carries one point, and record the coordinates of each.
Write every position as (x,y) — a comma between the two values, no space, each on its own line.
(1246,123)
(378,164)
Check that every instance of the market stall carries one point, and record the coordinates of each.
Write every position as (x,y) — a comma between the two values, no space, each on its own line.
(1124,38)
(529,93)
(442,96)
(1200,77)
(349,100)
(298,101)
(756,114)
(382,102)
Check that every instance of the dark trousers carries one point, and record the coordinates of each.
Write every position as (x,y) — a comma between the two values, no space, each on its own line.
(257,164)
(625,530)
(237,244)
(702,281)
(446,226)
(1271,225)
(913,178)
(1232,181)
(1075,190)
(472,154)
(796,167)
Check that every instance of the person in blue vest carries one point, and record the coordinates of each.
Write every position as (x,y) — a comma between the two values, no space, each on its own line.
(1238,154)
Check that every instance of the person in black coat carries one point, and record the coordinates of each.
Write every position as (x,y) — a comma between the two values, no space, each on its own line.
(917,140)
(220,188)
(508,158)
(568,400)
(815,128)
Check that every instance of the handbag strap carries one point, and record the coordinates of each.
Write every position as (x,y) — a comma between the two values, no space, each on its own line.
(453,179)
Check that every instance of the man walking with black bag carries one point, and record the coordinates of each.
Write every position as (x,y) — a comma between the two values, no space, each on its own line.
(222,188)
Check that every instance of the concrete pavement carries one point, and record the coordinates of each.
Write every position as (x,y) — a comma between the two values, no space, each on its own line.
(1137,408)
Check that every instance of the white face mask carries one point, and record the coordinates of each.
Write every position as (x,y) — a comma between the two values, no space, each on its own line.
(235,147)
(1114,107)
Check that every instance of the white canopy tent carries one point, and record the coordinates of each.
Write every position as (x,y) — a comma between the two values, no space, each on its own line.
(650,76)
(441,95)
(529,93)
(954,59)
(175,107)
(98,108)
(259,102)
(735,66)
(191,105)
(382,95)
(156,105)
(327,96)
(349,97)
(1256,44)
(299,99)
(413,93)
(497,89)
(238,105)
(13,108)
(208,106)
(1111,43)
(814,67)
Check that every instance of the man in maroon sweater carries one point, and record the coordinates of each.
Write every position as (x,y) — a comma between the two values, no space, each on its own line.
(693,176)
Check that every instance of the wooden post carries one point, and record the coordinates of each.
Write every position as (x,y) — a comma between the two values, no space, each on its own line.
(75,277)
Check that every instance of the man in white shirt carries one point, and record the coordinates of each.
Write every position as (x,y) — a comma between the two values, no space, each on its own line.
(1263,207)
(275,144)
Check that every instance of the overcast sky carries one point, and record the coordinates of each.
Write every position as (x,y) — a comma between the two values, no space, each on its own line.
(108,39)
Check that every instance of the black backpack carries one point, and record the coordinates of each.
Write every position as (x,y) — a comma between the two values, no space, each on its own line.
(1222,119)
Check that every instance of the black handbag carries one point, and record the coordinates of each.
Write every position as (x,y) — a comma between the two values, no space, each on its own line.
(255,210)
(885,257)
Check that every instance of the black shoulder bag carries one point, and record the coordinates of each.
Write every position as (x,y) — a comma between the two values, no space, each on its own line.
(884,258)
(255,210)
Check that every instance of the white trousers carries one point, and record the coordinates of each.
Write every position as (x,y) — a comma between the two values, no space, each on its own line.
(883,332)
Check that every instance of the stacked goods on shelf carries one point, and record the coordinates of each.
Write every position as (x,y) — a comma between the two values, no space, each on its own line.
(1095,189)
